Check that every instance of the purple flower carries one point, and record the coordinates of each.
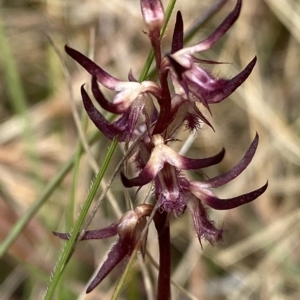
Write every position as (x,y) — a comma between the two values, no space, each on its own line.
(129,229)
(162,109)
(194,82)
(175,193)
(132,100)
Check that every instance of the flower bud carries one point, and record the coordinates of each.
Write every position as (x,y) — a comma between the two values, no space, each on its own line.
(153,14)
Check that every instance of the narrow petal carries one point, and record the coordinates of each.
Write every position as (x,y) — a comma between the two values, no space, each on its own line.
(105,104)
(235,171)
(103,233)
(103,77)
(231,85)
(143,178)
(96,234)
(154,165)
(217,34)
(224,204)
(97,118)
(177,40)
(115,255)
(162,154)
(205,87)
(222,29)
(186,163)
(63,236)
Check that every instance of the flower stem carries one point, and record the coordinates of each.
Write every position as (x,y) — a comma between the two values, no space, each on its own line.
(164,277)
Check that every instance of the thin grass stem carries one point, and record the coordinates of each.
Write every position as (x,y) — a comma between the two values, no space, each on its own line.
(70,245)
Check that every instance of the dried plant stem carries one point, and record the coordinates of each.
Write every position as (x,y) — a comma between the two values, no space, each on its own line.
(18,99)
(75,113)
(48,190)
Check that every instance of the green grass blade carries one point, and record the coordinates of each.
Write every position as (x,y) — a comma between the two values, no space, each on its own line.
(71,204)
(25,219)
(70,245)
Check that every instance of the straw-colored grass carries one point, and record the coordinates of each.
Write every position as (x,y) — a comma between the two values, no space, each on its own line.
(44,181)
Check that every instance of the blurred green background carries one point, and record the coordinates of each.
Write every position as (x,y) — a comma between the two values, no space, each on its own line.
(260,255)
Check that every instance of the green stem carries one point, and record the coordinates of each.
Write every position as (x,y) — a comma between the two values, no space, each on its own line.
(71,204)
(70,245)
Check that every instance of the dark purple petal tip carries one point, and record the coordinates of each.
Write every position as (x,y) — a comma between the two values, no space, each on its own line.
(97,118)
(177,40)
(116,254)
(142,179)
(102,76)
(237,170)
(224,204)
(195,164)
(105,104)
(63,236)
(227,87)
(223,27)
(96,234)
